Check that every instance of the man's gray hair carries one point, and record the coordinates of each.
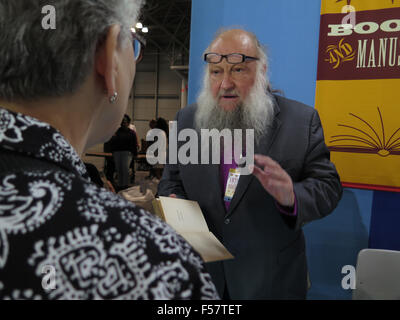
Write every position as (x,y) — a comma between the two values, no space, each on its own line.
(36,63)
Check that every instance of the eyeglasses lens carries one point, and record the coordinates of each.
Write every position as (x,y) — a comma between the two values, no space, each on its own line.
(137,48)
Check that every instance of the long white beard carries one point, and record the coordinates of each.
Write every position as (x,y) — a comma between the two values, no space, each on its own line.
(256,111)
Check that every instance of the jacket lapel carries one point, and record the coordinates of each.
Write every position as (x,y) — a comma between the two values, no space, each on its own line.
(210,175)
(262,148)
(215,188)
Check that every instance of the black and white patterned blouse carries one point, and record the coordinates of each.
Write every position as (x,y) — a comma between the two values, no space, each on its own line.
(62,237)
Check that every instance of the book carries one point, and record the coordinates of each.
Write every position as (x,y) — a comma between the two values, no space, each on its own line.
(187,219)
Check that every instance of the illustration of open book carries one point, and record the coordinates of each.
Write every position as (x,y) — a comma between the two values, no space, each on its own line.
(186,218)
(366,140)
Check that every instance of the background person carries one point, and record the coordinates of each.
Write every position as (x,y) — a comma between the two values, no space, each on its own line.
(109,164)
(293,181)
(124,148)
(157,169)
(142,163)
(133,128)
(61,92)
(138,146)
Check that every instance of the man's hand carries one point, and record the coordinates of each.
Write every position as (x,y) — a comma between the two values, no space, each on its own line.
(274,179)
(109,186)
(173,195)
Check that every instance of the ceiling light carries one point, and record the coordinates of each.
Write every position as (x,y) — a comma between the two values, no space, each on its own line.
(145,30)
(139,25)
(133,30)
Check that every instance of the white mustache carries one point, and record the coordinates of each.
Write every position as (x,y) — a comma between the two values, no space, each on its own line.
(254,112)
(227,93)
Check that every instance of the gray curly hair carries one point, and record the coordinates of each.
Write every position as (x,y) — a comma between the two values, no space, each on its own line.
(36,63)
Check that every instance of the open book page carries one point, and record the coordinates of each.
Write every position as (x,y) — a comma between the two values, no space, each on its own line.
(158,211)
(183,215)
(207,245)
(187,219)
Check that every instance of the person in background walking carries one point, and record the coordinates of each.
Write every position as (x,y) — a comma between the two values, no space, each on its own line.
(123,147)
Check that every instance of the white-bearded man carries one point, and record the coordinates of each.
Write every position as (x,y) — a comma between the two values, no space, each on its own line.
(293,181)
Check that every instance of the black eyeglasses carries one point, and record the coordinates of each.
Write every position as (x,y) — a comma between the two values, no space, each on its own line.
(232,58)
(138,46)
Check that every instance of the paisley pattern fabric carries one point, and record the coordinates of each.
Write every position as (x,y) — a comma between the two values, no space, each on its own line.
(62,237)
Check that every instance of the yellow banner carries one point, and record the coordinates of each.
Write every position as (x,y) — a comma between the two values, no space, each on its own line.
(338,6)
(358,90)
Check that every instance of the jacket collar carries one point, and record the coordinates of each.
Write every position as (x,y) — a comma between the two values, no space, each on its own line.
(34,138)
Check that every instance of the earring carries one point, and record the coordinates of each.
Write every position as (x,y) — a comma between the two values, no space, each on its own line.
(113,98)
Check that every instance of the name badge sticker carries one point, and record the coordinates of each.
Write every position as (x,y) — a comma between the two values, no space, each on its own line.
(233,180)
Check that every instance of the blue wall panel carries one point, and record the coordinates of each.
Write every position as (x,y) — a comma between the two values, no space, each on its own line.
(385,221)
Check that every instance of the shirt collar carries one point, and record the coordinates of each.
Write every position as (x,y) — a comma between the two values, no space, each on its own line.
(30,136)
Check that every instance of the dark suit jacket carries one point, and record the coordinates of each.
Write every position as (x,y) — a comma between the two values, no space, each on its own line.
(269,247)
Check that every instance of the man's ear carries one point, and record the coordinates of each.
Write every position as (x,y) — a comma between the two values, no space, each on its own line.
(106,59)
(264,68)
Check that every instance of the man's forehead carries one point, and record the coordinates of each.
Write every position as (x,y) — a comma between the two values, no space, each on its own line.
(234,43)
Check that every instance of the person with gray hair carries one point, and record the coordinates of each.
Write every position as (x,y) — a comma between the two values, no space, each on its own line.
(258,216)
(66,71)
